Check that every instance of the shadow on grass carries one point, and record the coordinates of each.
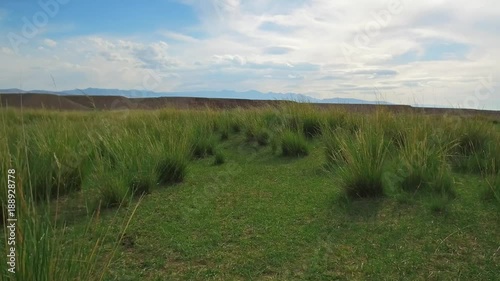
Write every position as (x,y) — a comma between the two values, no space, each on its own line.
(357,209)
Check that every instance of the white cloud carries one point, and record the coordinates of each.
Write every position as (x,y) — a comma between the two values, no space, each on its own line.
(228,60)
(270,46)
(6,50)
(179,37)
(318,28)
(49,43)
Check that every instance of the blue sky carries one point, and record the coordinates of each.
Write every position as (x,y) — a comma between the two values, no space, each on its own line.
(436,53)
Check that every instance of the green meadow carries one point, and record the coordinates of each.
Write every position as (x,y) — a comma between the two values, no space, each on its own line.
(290,192)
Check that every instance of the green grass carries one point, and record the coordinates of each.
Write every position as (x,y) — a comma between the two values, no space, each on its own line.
(491,189)
(334,142)
(477,150)
(219,158)
(246,213)
(312,126)
(423,167)
(293,144)
(204,146)
(362,174)
(263,137)
(171,170)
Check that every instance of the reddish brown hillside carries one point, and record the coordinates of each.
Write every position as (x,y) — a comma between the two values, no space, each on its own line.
(56,102)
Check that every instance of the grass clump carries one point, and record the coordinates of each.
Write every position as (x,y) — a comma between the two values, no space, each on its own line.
(252,129)
(474,138)
(104,152)
(332,139)
(423,167)
(204,146)
(54,180)
(140,186)
(219,159)
(113,193)
(491,191)
(235,127)
(263,137)
(477,148)
(224,125)
(224,134)
(312,126)
(256,131)
(171,170)
(293,144)
(362,174)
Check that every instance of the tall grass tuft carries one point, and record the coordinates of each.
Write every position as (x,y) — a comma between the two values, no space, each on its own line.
(332,141)
(219,159)
(293,144)
(491,191)
(140,185)
(263,137)
(204,143)
(477,146)
(50,162)
(112,191)
(312,126)
(204,146)
(423,167)
(171,170)
(362,174)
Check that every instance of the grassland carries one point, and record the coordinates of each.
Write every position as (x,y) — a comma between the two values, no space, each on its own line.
(275,193)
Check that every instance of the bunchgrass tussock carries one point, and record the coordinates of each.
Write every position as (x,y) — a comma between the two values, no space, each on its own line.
(54,169)
(336,120)
(397,136)
(256,131)
(104,152)
(491,189)
(343,120)
(251,131)
(140,185)
(332,141)
(263,137)
(272,119)
(171,170)
(423,167)
(293,144)
(362,174)
(312,126)
(224,134)
(476,146)
(113,193)
(235,127)
(473,138)
(203,146)
(219,158)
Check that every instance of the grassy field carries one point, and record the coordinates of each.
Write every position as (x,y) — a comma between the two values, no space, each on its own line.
(278,193)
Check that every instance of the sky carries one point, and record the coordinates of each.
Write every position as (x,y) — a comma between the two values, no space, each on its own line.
(435,53)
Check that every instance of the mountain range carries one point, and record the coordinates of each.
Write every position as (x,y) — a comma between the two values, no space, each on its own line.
(226,94)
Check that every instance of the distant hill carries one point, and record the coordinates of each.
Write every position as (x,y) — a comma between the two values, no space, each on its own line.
(62,101)
(226,94)
(11,91)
